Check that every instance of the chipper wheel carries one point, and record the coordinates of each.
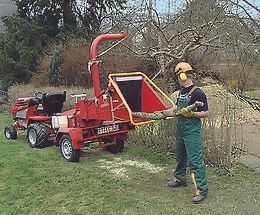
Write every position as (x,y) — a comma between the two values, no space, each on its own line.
(117,147)
(10,132)
(67,150)
(37,135)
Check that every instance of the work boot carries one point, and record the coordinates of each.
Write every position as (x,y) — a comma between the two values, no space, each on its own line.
(176,183)
(200,198)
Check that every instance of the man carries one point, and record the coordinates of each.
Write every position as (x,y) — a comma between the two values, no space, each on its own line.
(188,135)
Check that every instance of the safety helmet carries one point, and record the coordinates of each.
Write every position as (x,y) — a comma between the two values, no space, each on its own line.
(182,68)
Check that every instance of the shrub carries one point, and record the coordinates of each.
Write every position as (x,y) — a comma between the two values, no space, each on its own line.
(69,64)
(54,75)
(159,136)
(20,49)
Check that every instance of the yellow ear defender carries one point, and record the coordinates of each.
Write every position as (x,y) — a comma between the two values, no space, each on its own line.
(181,69)
(183,76)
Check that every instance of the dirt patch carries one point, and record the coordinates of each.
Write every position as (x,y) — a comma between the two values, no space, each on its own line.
(119,167)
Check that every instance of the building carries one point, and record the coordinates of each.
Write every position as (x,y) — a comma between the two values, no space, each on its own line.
(7,7)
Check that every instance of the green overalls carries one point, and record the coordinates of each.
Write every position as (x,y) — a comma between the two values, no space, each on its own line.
(189,149)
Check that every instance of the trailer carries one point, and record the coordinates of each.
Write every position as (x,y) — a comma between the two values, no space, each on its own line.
(107,118)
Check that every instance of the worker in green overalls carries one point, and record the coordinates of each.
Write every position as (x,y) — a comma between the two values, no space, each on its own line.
(188,135)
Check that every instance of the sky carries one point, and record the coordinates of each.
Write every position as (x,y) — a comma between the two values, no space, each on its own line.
(162,5)
(165,5)
(6,8)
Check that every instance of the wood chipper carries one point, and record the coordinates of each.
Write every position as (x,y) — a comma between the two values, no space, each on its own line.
(107,118)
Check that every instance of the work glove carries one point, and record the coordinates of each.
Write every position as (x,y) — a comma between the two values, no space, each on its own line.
(186,112)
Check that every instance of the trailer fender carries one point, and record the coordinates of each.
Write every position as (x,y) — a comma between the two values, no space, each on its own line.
(75,134)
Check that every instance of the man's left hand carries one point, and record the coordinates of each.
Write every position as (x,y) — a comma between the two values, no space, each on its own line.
(187,113)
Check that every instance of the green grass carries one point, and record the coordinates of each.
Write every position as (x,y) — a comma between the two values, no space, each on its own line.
(253,94)
(40,181)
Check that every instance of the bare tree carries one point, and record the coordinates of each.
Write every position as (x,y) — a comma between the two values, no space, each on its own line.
(170,37)
(223,31)
(248,15)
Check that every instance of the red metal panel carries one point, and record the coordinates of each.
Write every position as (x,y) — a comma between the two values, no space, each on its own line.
(76,135)
(121,112)
(150,99)
(99,109)
(81,135)
(69,112)
(121,130)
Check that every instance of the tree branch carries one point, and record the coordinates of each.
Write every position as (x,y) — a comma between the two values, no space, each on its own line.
(163,53)
(251,5)
(243,8)
(135,52)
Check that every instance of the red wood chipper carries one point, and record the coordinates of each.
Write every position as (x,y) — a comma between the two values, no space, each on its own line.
(106,118)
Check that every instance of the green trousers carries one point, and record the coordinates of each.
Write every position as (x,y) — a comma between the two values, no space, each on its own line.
(189,150)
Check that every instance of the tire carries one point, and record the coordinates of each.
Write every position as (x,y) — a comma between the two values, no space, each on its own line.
(37,135)
(66,148)
(10,132)
(117,147)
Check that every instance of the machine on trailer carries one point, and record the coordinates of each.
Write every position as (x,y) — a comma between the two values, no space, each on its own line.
(107,118)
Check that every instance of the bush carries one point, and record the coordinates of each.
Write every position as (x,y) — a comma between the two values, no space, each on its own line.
(20,49)
(69,64)
(54,75)
(159,136)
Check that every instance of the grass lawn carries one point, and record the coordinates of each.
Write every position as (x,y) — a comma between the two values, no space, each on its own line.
(40,181)
(253,94)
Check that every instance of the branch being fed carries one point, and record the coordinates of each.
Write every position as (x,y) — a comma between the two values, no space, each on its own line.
(165,114)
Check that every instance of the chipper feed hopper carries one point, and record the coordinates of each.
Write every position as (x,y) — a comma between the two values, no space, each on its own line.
(106,118)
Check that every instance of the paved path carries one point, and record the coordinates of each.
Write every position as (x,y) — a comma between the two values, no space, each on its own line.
(252,146)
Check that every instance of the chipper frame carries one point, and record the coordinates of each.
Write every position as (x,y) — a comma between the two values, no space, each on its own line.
(107,118)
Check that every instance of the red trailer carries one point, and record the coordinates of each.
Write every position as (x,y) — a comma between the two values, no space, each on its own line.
(106,118)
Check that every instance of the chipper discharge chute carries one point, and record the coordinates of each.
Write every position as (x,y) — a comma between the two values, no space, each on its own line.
(105,118)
